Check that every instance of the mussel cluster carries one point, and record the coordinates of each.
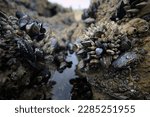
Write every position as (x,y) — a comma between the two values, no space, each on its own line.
(28,56)
(33,28)
(128,9)
(103,45)
(44,39)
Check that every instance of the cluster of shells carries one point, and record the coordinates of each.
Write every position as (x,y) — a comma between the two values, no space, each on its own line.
(128,9)
(107,43)
(104,43)
(29,53)
(112,48)
(45,39)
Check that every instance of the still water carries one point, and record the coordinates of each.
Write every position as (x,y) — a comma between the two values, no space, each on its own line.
(61,90)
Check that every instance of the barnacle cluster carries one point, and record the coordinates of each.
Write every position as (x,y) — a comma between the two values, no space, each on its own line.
(110,50)
(29,53)
(128,9)
(105,42)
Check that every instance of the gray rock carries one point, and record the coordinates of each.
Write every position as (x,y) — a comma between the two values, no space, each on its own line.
(99,51)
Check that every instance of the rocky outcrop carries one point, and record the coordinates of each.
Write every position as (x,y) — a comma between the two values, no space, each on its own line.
(113,50)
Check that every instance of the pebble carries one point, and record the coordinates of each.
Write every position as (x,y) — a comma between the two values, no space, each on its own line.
(125,59)
(99,51)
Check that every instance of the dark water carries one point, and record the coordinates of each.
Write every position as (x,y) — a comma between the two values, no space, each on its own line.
(61,90)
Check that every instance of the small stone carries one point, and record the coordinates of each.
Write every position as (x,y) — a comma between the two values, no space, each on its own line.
(125,60)
(28,26)
(99,51)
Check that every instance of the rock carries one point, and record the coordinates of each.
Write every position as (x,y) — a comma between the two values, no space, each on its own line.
(125,60)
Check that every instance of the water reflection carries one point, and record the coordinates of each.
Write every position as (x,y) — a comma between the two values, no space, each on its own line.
(69,85)
(62,88)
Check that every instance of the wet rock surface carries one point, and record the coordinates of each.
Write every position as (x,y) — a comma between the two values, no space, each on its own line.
(47,54)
